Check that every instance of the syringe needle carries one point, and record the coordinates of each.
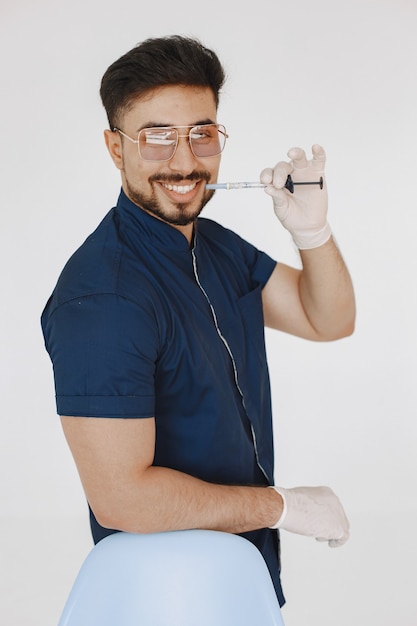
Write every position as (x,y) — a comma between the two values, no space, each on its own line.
(289,184)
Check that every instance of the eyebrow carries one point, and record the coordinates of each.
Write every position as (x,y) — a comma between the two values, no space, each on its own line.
(164,125)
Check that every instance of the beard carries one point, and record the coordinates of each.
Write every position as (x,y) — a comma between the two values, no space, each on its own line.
(178,213)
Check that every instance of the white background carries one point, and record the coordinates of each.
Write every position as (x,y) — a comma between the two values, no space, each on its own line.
(300,72)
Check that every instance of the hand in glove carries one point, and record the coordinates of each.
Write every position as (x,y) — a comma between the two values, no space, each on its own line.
(304,212)
(314,512)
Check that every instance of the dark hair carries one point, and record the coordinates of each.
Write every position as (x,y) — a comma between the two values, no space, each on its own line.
(157,62)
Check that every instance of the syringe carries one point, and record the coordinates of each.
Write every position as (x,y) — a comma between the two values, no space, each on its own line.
(289,184)
(242,185)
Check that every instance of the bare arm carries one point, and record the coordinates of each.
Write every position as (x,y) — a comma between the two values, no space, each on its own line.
(126,492)
(316,302)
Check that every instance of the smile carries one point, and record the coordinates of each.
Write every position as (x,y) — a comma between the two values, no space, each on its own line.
(182,189)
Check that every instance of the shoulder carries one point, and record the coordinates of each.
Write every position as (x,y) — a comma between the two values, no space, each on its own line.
(103,266)
(92,267)
(211,229)
(218,236)
(226,244)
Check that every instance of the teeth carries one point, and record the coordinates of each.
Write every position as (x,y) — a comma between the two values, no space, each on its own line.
(183,189)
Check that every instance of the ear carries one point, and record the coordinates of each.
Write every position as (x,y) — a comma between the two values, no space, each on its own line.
(114,146)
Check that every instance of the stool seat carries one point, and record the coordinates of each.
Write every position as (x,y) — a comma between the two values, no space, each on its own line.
(181,578)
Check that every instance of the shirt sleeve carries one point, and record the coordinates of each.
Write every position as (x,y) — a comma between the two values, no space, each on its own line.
(103,349)
(260,264)
(262,268)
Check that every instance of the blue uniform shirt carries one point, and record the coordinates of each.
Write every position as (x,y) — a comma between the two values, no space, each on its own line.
(140,325)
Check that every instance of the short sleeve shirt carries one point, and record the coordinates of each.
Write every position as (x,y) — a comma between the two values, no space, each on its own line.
(141,325)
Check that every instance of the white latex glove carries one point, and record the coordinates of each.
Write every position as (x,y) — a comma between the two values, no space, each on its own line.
(304,212)
(314,512)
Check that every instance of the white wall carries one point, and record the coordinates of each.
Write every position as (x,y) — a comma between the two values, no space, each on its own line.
(339,74)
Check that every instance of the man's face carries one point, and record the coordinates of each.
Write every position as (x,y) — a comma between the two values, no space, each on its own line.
(174,190)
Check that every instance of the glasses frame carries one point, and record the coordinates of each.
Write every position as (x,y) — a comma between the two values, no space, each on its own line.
(220,128)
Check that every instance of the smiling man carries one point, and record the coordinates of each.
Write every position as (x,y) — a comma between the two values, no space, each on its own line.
(156,325)
(164,160)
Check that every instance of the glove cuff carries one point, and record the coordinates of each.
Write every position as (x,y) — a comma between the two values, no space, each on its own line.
(308,241)
(284,509)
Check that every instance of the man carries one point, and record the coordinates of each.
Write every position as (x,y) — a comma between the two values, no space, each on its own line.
(156,326)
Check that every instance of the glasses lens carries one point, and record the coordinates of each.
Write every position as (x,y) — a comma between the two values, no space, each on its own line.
(207,140)
(157,144)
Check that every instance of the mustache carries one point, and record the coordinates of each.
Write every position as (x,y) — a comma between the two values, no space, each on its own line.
(178,178)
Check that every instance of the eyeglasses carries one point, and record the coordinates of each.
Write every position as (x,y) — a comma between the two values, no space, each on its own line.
(161,142)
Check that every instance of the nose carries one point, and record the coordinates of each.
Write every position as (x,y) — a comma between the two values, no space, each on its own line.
(183,159)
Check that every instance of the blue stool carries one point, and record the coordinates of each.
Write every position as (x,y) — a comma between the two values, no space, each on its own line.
(182,578)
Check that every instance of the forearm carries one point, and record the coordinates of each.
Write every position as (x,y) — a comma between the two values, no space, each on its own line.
(127,492)
(326,292)
(161,499)
(166,500)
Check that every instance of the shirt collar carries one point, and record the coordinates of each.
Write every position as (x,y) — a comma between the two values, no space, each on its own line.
(139,223)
